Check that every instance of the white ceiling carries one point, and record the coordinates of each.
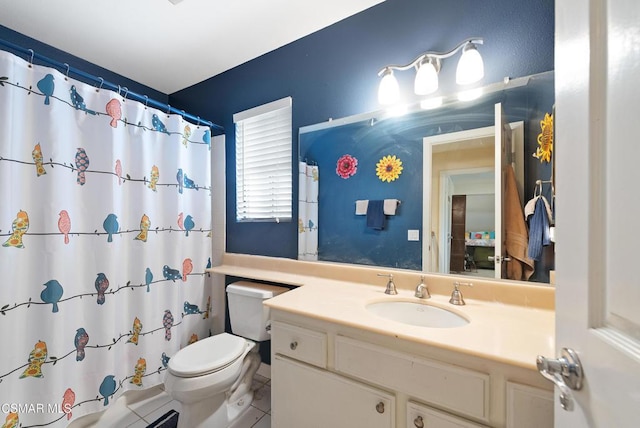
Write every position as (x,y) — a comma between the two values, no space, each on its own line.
(170,47)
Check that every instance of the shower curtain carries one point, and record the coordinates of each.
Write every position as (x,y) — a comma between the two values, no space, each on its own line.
(309,176)
(105,225)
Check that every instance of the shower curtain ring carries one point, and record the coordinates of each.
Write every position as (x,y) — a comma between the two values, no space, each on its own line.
(146,100)
(31,60)
(66,76)
(118,89)
(168,109)
(125,94)
(198,121)
(101,83)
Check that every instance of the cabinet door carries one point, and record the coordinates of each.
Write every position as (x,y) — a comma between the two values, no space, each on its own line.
(529,407)
(303,396)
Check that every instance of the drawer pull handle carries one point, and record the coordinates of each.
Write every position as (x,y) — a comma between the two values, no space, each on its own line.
(418,422)
(293,345)
(380,407)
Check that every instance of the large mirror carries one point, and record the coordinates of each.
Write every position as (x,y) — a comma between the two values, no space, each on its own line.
(440,176)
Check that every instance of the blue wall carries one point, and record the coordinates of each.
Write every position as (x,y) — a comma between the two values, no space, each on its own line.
(333,73)
(75,62)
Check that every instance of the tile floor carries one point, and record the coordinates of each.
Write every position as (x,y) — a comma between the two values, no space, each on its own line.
(137,409)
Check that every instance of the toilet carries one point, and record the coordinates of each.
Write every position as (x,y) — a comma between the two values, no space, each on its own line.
(212,377)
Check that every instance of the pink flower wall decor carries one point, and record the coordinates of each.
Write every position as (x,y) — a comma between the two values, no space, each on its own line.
(346,166)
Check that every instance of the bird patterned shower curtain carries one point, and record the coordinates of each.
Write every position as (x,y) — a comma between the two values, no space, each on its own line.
(105,235)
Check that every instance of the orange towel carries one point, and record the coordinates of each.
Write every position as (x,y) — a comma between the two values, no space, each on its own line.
(520,267)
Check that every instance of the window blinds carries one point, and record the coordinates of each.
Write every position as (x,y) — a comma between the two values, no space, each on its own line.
(263,162)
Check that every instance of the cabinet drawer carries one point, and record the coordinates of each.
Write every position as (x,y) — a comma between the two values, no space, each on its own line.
(529,407)
(419,416)
(299,343)
(454,388)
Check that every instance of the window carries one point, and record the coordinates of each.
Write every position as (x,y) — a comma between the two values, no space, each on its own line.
(263,162)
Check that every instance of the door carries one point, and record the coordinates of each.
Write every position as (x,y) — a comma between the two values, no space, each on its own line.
(446,192)
(458,222)
(503,159)
(513,148)
(598,208)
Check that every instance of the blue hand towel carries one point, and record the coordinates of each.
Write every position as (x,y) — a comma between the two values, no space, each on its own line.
(538,230)
(375,215)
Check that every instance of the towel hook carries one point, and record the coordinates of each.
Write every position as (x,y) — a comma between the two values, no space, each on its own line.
(538,189)
(101,83)
(32,54)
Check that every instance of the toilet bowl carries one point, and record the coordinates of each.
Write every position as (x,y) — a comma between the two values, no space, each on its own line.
(212,377)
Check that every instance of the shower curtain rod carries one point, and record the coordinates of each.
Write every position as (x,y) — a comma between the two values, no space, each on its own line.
(65,68)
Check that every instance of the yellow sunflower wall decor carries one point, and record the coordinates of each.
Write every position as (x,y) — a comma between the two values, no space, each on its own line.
(545,139)
(389,168)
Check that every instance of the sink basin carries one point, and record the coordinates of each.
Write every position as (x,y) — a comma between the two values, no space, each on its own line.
(418,314)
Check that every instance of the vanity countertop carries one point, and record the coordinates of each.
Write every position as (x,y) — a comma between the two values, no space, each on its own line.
(504,333)
(508,330)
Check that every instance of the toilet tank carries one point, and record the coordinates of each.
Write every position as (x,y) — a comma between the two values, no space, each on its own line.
(249,318)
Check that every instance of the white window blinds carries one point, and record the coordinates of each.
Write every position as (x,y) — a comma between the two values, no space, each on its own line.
(263,162)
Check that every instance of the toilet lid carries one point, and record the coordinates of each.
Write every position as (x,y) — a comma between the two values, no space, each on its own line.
(207,355)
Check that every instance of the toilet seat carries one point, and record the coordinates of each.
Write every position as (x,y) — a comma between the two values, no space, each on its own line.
(207,355)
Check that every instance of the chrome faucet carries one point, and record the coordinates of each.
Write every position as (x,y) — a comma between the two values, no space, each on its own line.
(422,292)
(456,295)
(391,287)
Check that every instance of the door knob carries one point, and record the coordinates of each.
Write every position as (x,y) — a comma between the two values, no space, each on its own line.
(565,372)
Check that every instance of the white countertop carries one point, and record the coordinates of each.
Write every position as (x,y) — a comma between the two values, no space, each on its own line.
(505,333)
(509,322)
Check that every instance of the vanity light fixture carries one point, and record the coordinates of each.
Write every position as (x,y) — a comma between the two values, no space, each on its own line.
(470,70)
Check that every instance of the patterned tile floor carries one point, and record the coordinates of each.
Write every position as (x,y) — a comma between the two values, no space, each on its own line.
(138,409)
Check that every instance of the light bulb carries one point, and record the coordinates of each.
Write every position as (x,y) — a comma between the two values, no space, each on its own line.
(470,67)
(389,91)
(426,78)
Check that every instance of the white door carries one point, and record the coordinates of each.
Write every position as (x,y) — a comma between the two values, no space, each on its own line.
(446,190)
(597,56)
(502,159)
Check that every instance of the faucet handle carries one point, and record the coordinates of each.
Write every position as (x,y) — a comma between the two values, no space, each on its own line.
(456,295)
(391,287)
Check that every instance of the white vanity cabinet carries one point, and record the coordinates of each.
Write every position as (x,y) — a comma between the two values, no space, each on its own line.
(326,374)
(306,396)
